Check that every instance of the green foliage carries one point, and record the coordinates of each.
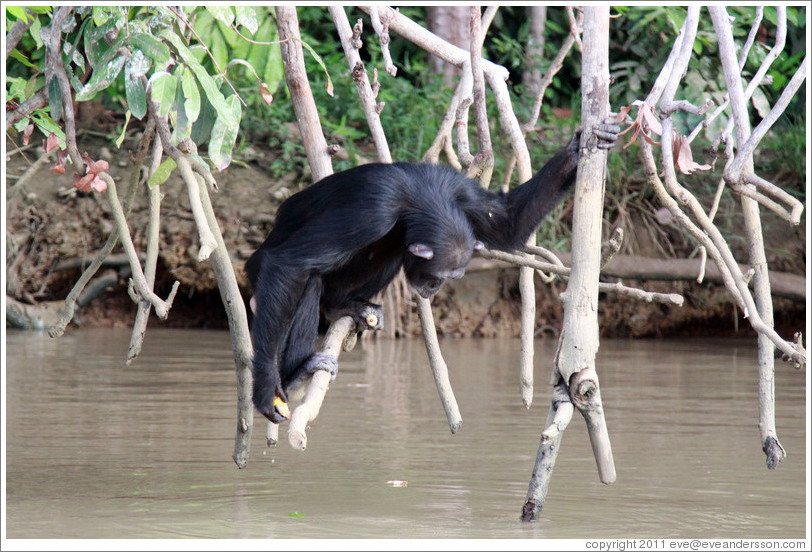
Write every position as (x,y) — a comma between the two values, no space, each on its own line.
(132,53)
(207,78)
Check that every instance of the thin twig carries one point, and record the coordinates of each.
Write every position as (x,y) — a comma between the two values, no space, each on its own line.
(151,262)
(482,166)
(382,30)
(52,38)
(365,92)
(138,279)
(438,365)
(37,101)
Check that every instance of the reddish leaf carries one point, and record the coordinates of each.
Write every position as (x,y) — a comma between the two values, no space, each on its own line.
(265,93)
(51,143)
(61,158)
(653,122)
(683,158)
(645,122)
(82,183)
(97,167)
(29,130)
(90,182)
(98,185)
(621,116)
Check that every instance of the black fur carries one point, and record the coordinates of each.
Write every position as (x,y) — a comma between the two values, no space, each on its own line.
(340,241)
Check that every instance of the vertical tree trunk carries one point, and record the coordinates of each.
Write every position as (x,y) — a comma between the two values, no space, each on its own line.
(579,338)
(451,23)
(535,49)
(578,345)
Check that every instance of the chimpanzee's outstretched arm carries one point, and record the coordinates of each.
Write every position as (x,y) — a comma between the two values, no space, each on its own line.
(506,221)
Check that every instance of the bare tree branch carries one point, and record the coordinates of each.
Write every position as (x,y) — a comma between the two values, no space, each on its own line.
(52,39)
(139,280)
(37,101)
(438,365)
(318,157)
(482,166)
(17,31)
(761,315)
(382,30)
(365,93)
(153,234)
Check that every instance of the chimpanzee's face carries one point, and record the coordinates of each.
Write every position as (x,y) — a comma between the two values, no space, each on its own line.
(427,269)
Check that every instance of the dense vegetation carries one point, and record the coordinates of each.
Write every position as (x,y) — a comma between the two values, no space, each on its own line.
(220,79)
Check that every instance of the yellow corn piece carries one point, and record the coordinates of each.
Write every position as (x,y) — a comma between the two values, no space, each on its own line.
(281,406)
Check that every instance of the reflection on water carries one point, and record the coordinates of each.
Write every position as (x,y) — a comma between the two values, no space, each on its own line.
(99,449)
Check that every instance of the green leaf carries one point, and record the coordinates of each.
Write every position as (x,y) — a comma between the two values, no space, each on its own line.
(320,61)
(191,94)
(267,58)
(20,125)
(36,32)
(47,126)
(134,88)
(55,99)
(100,15)
(17,88)
(101,79)
(247,17)
(760,102)
(251,70)
(162,87)
(274,70)
(203,26)
(162,173)
(229,35)
(221,13)
(96,47)
(16,54)
(224,134)
(219,50)
(181,126)
(151,46)
(258,52)
(18,12)
(123,135)
(206,81)
(31,86)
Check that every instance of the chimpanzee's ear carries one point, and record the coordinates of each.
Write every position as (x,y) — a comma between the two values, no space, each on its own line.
(478,246)
(421,250)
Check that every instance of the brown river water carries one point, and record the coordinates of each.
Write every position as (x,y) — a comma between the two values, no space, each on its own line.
(97,449)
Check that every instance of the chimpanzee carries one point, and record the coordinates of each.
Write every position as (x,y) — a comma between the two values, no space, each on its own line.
(340,241)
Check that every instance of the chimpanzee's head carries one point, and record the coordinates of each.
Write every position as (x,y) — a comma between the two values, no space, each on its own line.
(436,252)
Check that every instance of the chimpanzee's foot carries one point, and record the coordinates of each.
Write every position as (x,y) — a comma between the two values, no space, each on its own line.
(369,317)
(320,361)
